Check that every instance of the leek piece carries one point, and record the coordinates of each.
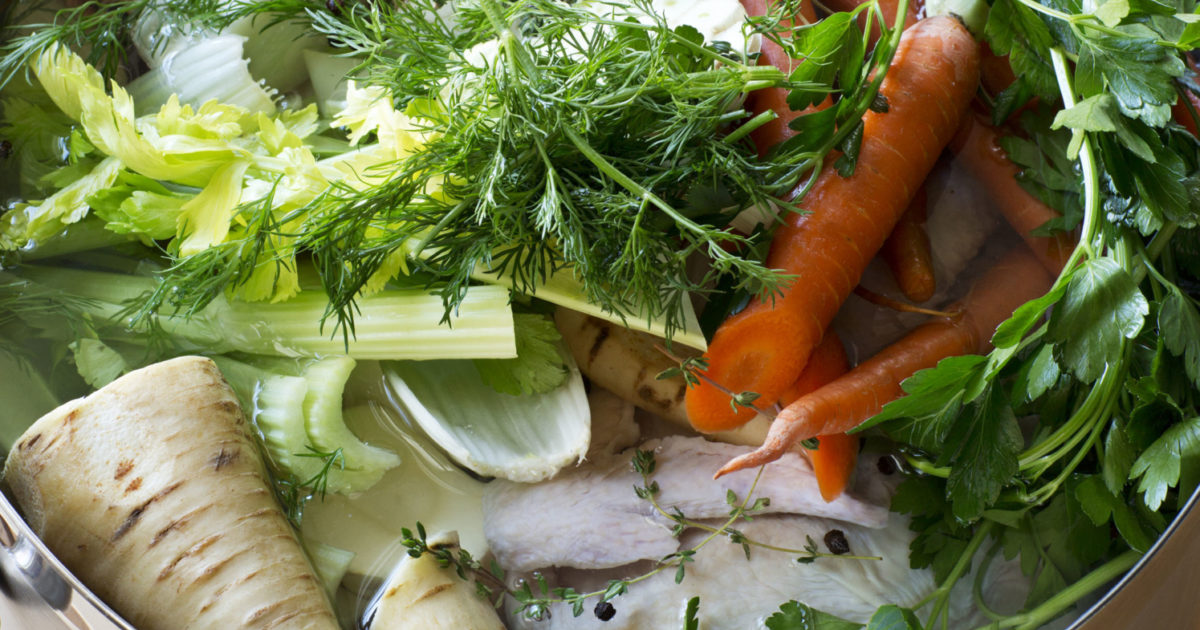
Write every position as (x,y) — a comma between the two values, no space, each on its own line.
(523,438)
(394,324)
(562,289)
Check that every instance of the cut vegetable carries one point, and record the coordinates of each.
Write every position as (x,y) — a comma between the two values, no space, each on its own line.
(522,438)
(324,423)
(298,412)
(421,594)
(400,324)
(152,492)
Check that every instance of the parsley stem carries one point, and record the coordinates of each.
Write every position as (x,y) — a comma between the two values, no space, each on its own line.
(942,593)
(1087,20)
(1054,606)
(1087,161)
(1096,405)
(925,467)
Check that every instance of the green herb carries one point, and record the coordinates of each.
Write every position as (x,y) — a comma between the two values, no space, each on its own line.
(1111,372)
(538,367)
(535,597)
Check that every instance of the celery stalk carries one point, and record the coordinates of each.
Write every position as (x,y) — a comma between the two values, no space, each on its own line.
(400,324)
(562,289)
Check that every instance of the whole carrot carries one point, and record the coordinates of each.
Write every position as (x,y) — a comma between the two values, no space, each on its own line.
(775,99)
(834,457)
(977,149)
(845,221)
(862,393)
(907,252)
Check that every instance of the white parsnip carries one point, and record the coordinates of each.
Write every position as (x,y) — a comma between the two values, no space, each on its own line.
(423,595)
(152,491)
(625,362)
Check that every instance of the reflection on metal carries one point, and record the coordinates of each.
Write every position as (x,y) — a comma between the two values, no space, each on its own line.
(1160,590)
(36,591)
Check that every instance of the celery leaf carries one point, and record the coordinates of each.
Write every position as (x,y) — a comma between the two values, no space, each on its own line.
(538,367)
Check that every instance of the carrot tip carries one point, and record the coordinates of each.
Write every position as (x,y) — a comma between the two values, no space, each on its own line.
(761,456)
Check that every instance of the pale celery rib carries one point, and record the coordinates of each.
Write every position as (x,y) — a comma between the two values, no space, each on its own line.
(561,288)
(394,324)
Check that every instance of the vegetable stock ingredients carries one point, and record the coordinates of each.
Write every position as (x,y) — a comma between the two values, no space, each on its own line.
(153,493)
(852,399)
(845,222)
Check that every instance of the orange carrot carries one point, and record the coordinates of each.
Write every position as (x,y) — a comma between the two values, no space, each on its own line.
(977,149)
(886,7)
(907,252)
(862,393)
(764,347)
(836,454)
(777,130)
(828,361)
(995,71)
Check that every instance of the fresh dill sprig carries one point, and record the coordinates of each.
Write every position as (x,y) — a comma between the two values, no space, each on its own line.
(294,493)
(583,143)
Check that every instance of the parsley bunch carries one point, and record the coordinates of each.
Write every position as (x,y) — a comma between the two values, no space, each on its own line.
(1112,375)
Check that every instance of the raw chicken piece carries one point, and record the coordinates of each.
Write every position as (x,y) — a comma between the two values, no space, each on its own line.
(613,426)
(739,594)
(590,516)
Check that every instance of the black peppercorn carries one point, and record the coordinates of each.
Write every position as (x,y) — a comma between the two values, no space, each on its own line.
(886,465)
(836,541)
(333,6)
(5,149)
(604,611)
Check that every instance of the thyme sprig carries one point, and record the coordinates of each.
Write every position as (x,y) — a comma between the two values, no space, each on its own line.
(535,597)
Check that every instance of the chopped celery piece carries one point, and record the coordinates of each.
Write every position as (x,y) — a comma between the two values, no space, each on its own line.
(279,406)
(562,289)
(394,324)
(323,416)
(523,438)
(426,487)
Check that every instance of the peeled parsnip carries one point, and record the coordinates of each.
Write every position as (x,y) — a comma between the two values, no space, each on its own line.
(423,595)
(625,362)
(152,491)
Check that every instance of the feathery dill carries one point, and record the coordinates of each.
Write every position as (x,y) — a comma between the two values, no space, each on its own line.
(593,140)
